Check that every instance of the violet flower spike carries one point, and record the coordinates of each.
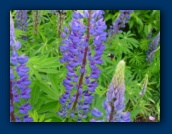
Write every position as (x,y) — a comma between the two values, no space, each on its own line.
(21,17)
(19,85)
(114,103)
(120,22)
(77,55)
(153,47)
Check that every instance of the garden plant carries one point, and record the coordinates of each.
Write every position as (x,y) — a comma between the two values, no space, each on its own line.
(84,66)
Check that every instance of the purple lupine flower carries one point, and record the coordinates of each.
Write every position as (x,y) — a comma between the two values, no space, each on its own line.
(96,113)
(11,108)
(153,47)
(12,33)
(114,103)
(21,18)
(24,108)
(19,84)
(18,119)
(15,45)
(26,118)
(11,74)
(120,22)
(22,70)
(77,54)
(93,120)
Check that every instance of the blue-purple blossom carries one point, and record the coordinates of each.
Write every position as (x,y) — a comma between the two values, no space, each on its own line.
(152,48)
(93,120)
(120,22)
(25,108)
(19,84)
(114,103)
(21,17)
(21,20)
(77,55)
(96,113)
(12,33)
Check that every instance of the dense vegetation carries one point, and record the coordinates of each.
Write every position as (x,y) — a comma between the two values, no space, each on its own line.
(83,65)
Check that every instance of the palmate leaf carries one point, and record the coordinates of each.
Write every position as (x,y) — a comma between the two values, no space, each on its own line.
(123,43)
(129,39)
(139,71)
(137,58)
(120,46)
(43,64)
(144,44)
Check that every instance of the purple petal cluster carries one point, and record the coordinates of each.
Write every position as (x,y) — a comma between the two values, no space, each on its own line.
(20,82)
(21,20)
(79,84)
(152,48)
(114,103)
(96,113)
(120,22)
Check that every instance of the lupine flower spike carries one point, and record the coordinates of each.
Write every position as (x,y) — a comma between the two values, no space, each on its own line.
(21,20)
(114,103)
(18,84)
(153,47)
(77,54)
(120,22)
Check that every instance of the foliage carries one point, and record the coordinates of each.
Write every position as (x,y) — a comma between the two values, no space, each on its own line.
(47,72)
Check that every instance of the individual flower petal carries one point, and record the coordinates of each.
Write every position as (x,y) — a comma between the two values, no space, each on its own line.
(96,113)
(151,118)
(25,108)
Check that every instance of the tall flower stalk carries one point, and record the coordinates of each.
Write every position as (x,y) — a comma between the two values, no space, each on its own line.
(21,20)
(60,19)
(114,103)
(153,47)
(18,83)
(36,20)
(120,22)
(80,82)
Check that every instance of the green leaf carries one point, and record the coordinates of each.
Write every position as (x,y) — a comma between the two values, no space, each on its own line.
(35,93)
(50,93)
(42,118)
(135,112)
(51,106)
(48,120)
(54,81)
(109,16)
